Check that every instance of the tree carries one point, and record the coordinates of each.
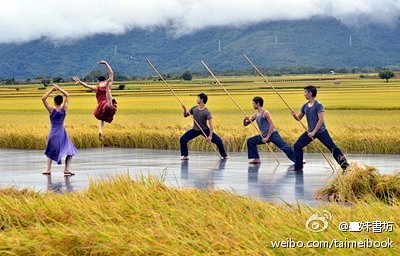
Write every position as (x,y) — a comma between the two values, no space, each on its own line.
(187,76)
(386,74)
(46,82)
(57,79)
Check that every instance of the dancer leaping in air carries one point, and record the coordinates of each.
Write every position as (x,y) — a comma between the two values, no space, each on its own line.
(106,105)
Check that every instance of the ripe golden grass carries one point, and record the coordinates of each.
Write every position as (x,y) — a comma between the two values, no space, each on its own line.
(143,216)
(360,114)
(363,184)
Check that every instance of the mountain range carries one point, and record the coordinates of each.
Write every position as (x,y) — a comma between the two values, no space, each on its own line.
(317,42)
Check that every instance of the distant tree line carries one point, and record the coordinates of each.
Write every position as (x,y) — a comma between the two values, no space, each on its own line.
(383,72)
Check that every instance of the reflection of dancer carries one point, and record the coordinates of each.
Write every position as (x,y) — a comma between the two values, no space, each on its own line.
(299,185)
(269,133)
(252,173)
(184,170)
(58,142)
(106,105)
(57,187)
(201,114)
(314,111)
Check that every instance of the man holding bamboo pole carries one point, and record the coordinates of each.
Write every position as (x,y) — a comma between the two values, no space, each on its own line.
(269,133)
(201,116)
(314,111)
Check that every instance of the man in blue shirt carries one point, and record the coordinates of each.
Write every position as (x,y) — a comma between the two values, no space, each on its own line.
(269,133)
(314,111)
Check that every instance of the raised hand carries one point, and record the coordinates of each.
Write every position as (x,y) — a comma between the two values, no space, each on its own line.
(103,62)
(76,79)
(56,87)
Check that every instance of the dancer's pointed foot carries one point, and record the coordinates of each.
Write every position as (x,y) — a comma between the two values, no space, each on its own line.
(100,136)
(46,173)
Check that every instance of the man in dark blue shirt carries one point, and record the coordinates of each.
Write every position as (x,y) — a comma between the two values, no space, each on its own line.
(314,111)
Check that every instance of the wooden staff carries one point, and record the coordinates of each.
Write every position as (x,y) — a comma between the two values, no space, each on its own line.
(244,113)
(291,110)
(176,96)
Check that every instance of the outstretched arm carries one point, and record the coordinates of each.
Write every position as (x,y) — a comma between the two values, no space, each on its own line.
(78,81)
(248,120)
(44,100)
(65,93)
(298,117)
(110,71)
(185,112)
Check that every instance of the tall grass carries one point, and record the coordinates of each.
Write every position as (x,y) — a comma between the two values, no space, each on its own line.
(361,184)
(143,216)
(360,115)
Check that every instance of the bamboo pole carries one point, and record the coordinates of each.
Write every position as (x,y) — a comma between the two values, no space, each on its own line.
(237,105)
(180,101)
(291,110)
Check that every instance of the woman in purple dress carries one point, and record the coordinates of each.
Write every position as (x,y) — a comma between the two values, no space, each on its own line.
(58,142)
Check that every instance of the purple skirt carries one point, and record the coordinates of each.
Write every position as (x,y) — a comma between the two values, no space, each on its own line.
(58,142)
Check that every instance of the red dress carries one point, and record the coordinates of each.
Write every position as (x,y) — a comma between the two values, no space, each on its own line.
(103,112)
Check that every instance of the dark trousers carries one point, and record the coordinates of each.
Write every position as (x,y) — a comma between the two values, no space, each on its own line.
(191,134)
(275,138)
(326,139)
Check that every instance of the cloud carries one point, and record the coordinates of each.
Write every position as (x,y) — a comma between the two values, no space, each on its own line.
(26,20)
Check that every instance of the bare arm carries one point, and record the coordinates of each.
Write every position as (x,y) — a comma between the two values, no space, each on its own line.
(267,116)
(318,125)
(248,120)
(185,112)
(298,117)
(78,81)
(110,71)
(109,82)
(44,100)
(65,93)
(210,123)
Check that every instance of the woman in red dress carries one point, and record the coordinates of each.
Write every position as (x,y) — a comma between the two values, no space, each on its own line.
(106,105)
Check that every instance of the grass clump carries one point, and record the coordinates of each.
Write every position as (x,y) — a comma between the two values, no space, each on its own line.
(361,183)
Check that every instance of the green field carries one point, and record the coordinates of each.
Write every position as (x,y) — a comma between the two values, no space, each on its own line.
(361,114)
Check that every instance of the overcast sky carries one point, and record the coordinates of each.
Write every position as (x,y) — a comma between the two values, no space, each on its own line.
(25,20)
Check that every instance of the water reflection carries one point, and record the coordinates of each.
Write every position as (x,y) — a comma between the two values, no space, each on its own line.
(299,185)
(252,172)
(202,178)
(271,185)
(59,187)
(22,168)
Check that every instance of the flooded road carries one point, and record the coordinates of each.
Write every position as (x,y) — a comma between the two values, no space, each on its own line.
(23,168)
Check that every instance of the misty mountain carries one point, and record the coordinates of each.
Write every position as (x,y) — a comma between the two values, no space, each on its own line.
(316,42)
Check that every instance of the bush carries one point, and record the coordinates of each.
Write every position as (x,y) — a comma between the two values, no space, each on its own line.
(187,76)
(386,74)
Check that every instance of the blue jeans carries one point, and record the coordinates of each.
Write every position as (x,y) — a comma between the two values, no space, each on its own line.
(326,139)
(192,133)
(275,138)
